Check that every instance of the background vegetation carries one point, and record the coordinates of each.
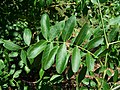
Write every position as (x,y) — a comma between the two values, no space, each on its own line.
(59,44)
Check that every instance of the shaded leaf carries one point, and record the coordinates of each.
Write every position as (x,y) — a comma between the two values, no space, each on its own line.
(82,74)
(100,50)
(69,27)
(89,62)
(10,45)
(76,59)
(42,3)
(82,34)
(61,58)
(50,60)
(95,42)
(48,2)
(45,25)
(115,77)
(27,34)
(46,54)
(36,49)
(113,34)
(105,85)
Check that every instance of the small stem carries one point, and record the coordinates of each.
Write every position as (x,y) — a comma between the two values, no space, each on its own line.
(114,42)
(87,51)
(116,88)
(106,58)
(103,25)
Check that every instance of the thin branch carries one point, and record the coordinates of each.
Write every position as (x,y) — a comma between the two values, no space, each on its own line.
(103,25)
(114,42)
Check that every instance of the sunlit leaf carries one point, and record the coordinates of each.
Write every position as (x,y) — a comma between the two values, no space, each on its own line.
(54,76)
(45,25)
(13,54)
(36,49)
(76,59)
(114,21)
(27,34)
(10,45)
(26,68)
(41,73)
(94,1)
(17,73)
(61,58)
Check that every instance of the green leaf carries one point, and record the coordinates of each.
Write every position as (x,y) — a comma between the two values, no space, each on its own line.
(56,29)
(41,73)
(1,65)
(1,41)
(95,42)
(76,59)
(82,34)
(27,34)
(115,77)
(23,56)
(46,54)
(114,21)
(69,27)
(13,54)
(50,60)
(42,3)
(82,74)
(26,68)
(12,69)
(113,34)
(89,62)
(54,77)
(12,82)
(45,26)
(61,58)
(94,1)
(48,2)
(10,45)
(36,49)
(105,85)
(17,73)
(100,50)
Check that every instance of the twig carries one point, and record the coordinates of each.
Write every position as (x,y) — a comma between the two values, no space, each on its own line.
(103,25)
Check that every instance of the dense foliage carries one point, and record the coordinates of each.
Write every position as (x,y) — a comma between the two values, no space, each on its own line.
(54,44)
